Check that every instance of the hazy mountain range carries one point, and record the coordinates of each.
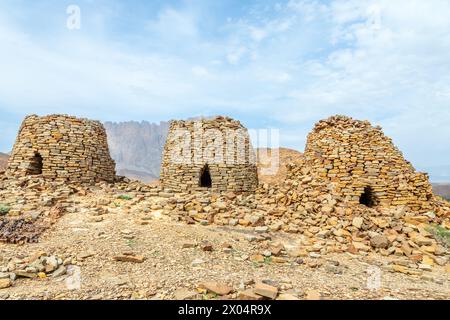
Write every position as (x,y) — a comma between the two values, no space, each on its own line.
(442,189)
(3,161)
(438,174)
(137,148)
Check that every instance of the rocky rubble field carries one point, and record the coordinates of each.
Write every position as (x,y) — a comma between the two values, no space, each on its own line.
(133,241)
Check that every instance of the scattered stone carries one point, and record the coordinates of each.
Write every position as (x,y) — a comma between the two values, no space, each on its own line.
(333,269)
(24,274)
(51,264)
(249,294)
(59,272)
(314,263)
(426,260)
(276,249)
(184,294)
(134,259)
(217,288)
(266,253)
(85,255)
(197,262)
(357,222)
(287,296)
(401,269)
(313,295)
(263,229)
(257,258)
(190,244)
(5,283)
(227,245)
(425,267)
(35,256)
(279,260)
(266,290)
(361,246)
(206,246)
(97,219)
(297,252)
(379,242)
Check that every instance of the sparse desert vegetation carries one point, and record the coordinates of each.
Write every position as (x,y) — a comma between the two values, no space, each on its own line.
(441,234)
(4,209)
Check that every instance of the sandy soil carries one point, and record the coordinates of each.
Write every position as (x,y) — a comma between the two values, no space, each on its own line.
(89,243)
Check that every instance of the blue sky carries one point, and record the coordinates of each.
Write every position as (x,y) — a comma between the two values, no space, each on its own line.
(271,64)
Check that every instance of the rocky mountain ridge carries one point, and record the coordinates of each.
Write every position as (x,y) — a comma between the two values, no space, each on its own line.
(3,161)
(137,148)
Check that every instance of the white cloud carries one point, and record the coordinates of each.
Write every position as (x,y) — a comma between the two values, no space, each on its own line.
(200,71)
(236,54)
(283,64)
(172,23)
(257,34)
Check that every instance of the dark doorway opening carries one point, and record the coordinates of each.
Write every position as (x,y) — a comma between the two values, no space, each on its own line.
(35,167)
(205,177)
(367,198)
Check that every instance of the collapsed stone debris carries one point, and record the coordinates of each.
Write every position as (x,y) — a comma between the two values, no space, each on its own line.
(39,265)
(352,191)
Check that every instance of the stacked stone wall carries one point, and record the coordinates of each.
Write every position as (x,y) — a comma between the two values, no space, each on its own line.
(61,147)
(359,160)
(220,145)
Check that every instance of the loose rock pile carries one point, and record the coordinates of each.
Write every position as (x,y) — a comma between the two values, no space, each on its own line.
(263,290)
(32,205)
(39,265)
(315,210)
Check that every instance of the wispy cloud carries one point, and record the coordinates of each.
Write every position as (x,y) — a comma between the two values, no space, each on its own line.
(284,64)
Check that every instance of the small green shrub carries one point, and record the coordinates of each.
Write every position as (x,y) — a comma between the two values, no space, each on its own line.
(209,296)
(131,243)
(155,253)
(4,209)
(267,260)
(440,233)
(124,197)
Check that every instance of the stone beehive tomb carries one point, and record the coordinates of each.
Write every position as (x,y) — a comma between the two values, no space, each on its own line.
(364,166)
(60,147)
(208,154)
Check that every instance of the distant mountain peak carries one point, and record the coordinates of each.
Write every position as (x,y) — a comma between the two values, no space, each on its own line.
(137,147)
